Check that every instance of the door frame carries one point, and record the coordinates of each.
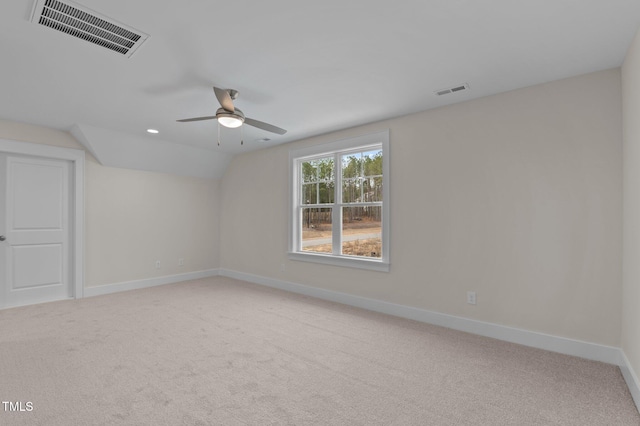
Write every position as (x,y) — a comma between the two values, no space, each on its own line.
(76,213)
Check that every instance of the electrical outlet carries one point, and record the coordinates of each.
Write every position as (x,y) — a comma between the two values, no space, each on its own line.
(157,264)
(282,267)
(471,297)
(181,262)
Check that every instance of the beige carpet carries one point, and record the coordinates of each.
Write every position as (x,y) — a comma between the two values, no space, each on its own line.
(225,352)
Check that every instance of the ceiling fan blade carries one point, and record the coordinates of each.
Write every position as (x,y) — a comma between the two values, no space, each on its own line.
(186,120)
(264,126)
(224,98)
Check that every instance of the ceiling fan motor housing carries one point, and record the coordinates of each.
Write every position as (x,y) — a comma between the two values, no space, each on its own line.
(233,94)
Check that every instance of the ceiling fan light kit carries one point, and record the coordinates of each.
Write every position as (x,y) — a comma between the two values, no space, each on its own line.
(231,117)
(230,120)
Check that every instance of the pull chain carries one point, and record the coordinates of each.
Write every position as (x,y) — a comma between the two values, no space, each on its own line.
(218,133)
(241,136)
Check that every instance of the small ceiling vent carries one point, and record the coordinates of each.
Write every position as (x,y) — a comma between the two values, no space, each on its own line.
(85,24)
(459,88)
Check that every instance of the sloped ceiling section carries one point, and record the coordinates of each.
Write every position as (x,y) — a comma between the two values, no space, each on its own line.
(116,149)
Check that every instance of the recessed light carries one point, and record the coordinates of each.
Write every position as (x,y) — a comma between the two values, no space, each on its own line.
(154,131)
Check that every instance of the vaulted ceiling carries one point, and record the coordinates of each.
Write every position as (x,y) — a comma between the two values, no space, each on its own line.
(308,67)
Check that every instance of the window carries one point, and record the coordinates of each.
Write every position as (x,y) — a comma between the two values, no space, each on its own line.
(340,203)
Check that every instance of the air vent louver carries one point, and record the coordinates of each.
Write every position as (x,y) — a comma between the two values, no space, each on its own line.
(459,88)
(85,24)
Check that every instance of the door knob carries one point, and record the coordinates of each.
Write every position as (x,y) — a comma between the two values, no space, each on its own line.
(2,238)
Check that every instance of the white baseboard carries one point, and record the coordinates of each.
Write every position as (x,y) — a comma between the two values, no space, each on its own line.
(592,351)
(149,282)
(632,380)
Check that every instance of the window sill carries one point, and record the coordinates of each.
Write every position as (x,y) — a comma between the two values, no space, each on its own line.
(348,262)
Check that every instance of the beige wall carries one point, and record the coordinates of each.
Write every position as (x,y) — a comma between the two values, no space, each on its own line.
(515,196)
(631,185)
(133,218)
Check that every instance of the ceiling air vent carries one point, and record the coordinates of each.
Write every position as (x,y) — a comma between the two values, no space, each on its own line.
(459,88)
(85,24)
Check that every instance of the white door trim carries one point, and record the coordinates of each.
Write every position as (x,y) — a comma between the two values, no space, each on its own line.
(76,157)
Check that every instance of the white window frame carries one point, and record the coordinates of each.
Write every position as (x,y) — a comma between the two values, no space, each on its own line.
(338,148)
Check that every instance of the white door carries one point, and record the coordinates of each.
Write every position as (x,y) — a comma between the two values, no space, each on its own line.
(34,223)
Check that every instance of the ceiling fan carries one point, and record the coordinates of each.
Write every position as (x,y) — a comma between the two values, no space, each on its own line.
(232,117)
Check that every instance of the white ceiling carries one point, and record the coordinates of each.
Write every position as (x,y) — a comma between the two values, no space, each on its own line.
(308,67)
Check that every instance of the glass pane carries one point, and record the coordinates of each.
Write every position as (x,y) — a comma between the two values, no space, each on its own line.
(351,165)
(325,169)
(362,177)
(318,170)
(375,189)
(317,230)
(309,193)
(317,193)
(351,190)
(362,231)
(326,192)
(317,181)
(308,172)
(372,163)
(362,190)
